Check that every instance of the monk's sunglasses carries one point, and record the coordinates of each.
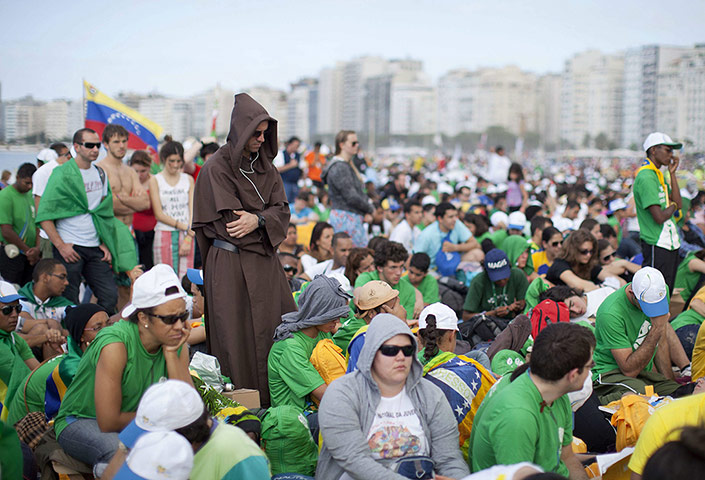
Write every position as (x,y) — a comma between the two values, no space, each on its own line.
(171,319)
(393,350)
(258,133)
(7,310)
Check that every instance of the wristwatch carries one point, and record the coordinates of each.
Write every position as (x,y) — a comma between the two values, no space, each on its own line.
(260,221)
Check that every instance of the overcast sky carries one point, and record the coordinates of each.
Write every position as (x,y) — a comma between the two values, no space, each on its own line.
(184,47)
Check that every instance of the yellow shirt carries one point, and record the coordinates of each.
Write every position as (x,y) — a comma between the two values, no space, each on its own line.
(664,426)
(698,360)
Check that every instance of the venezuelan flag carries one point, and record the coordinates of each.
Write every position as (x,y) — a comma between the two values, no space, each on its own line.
(102,110)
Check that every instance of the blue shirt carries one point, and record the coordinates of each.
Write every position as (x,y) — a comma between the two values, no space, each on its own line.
(429,241)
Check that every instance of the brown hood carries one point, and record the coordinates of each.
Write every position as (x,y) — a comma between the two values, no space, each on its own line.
(247,114)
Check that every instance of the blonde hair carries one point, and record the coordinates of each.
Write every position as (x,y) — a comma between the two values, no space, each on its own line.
(341,138)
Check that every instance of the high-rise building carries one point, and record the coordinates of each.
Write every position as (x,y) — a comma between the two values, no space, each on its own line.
(63,118)
(23,118)
(275,102)
(355,73)
(330,100)
(172,114)
(548,97)
(303,109)
(591,98)
(456,96)
(216,101)
(642,67)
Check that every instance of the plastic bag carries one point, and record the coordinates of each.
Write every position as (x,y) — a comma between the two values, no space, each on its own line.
(208,369)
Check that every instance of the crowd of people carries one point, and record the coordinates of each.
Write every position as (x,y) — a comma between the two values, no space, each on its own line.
(466,318)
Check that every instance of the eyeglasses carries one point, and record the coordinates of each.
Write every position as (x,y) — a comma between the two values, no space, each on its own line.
(289,268)
(393,350)
(607,258)
(98,327)
(258,133)
(586,252)
(90,145)
(171,319)
(7,310)
(61,276)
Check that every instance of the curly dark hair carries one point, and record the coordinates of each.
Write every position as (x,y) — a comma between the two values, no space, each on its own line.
(390,252)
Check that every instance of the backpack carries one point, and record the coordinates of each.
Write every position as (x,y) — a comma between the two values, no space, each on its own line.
(447,262)
(546,313)
(481,328)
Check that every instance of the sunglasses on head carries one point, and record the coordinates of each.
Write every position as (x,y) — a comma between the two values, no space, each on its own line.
(171,319)
(393,350)
(91,145)
(7,310)
(586,252)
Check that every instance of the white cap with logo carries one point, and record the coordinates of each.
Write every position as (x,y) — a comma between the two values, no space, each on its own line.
(157,456)
(658,138)
(650,290)
(150,289)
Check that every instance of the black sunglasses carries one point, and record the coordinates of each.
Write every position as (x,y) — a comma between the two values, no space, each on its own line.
(258,133)
(555,244)
(393,350)
(586,252)
(91,145)
(7,310)
(354,144)
(171,319)
(606,258)
(289,268)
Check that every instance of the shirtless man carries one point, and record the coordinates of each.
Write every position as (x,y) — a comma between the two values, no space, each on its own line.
(128,195)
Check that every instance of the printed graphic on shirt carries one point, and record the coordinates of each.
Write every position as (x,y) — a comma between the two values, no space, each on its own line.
(396,430)
(394,441)
(643,331)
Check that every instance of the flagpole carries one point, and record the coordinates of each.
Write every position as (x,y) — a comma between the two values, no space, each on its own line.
(83,102)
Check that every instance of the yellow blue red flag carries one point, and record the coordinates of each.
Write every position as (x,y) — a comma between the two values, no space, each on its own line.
(102,110)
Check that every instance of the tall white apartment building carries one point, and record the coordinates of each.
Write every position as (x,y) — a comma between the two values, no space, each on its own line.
(548,108)
(275,102)
(63,118)
(303,109)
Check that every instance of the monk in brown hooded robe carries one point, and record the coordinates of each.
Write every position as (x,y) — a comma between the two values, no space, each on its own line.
(240,216)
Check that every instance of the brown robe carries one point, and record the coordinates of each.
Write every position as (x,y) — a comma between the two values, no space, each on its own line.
(246,293)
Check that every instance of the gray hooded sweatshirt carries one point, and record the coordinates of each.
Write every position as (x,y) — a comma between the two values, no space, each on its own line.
(344,188)
(348,408)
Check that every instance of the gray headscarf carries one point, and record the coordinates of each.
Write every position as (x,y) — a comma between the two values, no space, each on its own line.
(322,301)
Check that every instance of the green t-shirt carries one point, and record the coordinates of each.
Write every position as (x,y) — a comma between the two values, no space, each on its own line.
(484,295)
(689,317)
(34,393)
(17,209)
(511,427)
(498,237)
(618,324)
(142,369)
(14,352)
(10,452)
(428,288)
(686,279)
(647,191)
(536,288)
(347,330)
(292,376)
(407,295)
(229,454)
(614,223)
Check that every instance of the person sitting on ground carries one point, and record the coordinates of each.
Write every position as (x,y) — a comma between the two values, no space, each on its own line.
(44,389)
(293,380)
(498,290)
(291,264)
(371,299)
(690,274)
(301,213)
(125,360)
(390,259)
(220,450)
(617,267)
(407,231)
(682,458)
(687,324)
(419,278)
(479,226)
(291,242)
(386,399)
(578,265)
(539,223)
(360,260)
(16,358)
(320,247)
(378,226)
(551,241)
(341,245)
(517,249)
(530,419)
(197,335)
(666,425)
(591,225)
(438,327)
(459,239)
(634,337)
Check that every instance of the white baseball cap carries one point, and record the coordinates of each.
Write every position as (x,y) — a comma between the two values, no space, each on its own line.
(164,406)
(650,290)
(517,221)
(446,319)
(46,155)
(617,204)
(150,289)
(8,293)
(658,138)
(499,217)
(158,456)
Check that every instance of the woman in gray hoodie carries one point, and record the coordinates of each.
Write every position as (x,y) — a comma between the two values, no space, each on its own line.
(385,411)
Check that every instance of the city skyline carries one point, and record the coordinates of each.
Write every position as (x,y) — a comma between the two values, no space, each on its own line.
(185,49)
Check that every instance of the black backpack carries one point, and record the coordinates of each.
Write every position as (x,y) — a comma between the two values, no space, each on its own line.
(481,328)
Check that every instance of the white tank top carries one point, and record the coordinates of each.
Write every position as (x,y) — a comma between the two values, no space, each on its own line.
(174,201)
